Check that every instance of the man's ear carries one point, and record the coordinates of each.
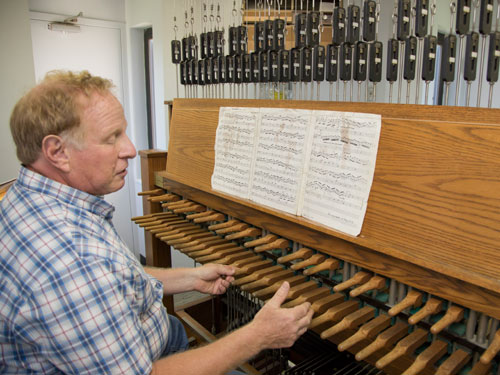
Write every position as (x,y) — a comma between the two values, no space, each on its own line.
(55,151)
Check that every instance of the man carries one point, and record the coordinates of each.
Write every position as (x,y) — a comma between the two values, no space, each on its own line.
(73,299)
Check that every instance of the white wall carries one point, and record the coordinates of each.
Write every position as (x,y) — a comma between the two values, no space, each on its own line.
(17,75)
(109,10)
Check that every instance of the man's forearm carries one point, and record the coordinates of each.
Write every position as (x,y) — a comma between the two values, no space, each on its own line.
(216,358)
(175,280)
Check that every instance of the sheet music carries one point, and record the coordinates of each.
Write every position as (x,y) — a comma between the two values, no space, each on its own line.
(340,169)
(234,150)
(279,158)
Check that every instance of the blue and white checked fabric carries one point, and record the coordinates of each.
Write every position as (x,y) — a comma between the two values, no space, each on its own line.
(73,298)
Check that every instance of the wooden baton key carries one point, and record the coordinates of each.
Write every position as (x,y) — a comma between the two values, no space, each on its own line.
(256,275)
(329,264)
(350,321)
(233,228)
(431,307)
(200,214)
(299,289)
(405,346)
(492,350)
(150,192)
(367,330)
(454,363)
(270,290)
(453,315)
(335,313)
(375,283)
(266,280)
(191,208)
(323,304)
(359,278)
(384,339)
(427,358)
(261,241)
(310,296)
(312,261)
(280,243)
(302,253)
(249,232)
(206,219)
(225,224)
(412,299)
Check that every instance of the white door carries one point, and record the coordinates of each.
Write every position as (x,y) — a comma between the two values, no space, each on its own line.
(98,49)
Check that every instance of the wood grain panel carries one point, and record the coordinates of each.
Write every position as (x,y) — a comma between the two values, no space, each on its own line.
(437,283)
(435,199)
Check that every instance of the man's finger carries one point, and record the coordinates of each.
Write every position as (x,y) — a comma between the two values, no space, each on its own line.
(280,295)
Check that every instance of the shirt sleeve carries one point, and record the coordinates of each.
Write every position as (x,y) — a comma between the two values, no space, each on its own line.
(88,319)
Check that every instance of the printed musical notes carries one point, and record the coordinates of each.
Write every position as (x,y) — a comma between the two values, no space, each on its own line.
(316,164)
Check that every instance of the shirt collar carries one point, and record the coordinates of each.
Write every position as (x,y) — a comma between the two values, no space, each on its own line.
(39,183)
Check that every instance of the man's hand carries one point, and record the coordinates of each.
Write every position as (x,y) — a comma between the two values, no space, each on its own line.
(278,327)
(213,278)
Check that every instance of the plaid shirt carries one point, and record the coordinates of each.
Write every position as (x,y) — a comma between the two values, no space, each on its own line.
(73,299)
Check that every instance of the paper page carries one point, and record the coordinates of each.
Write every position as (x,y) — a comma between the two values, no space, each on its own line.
(279,156)
(340,169)
(234,149)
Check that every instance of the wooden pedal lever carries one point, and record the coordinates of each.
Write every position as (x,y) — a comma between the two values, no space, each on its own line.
(234,228)
(280,243)
(480,369)
(405,346)
(190,208)
(335,313)
(261,241)
(219,254)
(188,237)
(367,330)
(312,261)
(164,198)
(225,224)
(302,253)
(453,315)
(375,283)
(271,289)
(174,229)
(329,264)
(267,280)
(383,340)
(323,304)
(151,217)
(299,289)
(431,307)
(248,261)
(454,363)
(427,358)
(359,278)
(412,299)
(200,214)
(256,275)
(231,259)
(170,225)
(180,233)
(150,192)
(209,240)
(310,296)
(206,219)
(157,220)
(210,250)
(249,232)
(176,204)
(492,350)
(350,321)
(205,245)
(246,269)
(163,225)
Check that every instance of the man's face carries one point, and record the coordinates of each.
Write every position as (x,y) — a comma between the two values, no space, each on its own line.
(99,165)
